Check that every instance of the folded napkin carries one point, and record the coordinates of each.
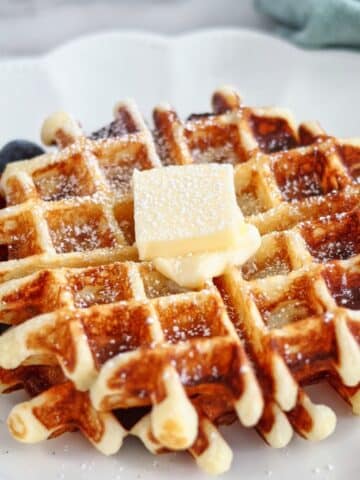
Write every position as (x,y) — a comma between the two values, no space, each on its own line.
(316,23)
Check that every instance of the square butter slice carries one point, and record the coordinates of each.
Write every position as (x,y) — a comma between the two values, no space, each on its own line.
(185,209)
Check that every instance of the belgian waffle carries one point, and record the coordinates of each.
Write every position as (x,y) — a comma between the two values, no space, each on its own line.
(298,185)
(72,208)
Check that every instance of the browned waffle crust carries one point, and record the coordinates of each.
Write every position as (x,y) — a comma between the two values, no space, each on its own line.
(96,333)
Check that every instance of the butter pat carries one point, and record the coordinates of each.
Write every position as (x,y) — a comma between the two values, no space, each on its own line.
(193,270)
(185,209)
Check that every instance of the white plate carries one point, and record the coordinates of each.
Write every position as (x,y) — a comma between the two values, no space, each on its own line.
(86,77)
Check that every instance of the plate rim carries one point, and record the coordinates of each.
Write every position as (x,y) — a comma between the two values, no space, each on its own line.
(166,39)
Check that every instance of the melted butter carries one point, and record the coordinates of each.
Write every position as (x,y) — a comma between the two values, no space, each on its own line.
(193,270)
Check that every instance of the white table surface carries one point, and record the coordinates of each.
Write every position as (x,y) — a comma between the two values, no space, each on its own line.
(34,26)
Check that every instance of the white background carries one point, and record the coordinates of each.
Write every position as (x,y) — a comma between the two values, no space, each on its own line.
(31,26)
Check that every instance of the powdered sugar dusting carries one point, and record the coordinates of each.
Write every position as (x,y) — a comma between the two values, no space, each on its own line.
(222,154)
(78,238)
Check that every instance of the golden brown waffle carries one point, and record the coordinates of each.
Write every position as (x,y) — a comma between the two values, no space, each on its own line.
(298,298)
(73,208)
(291,290)
(167,337)
(314,178)
(60,408)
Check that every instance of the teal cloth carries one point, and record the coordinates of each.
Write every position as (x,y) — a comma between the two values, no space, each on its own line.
(316,23)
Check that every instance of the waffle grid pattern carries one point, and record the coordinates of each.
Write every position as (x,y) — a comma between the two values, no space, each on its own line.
(241,347)
(75,204)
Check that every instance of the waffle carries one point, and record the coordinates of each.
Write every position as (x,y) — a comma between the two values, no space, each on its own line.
(301,189)
(61,408)
(297,185)
(212,350)
(73,208)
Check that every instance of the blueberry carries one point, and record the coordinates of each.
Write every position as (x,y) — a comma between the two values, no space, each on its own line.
(18,150)
(3,328)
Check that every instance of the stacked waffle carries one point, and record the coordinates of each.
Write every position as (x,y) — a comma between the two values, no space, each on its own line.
(107,345)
